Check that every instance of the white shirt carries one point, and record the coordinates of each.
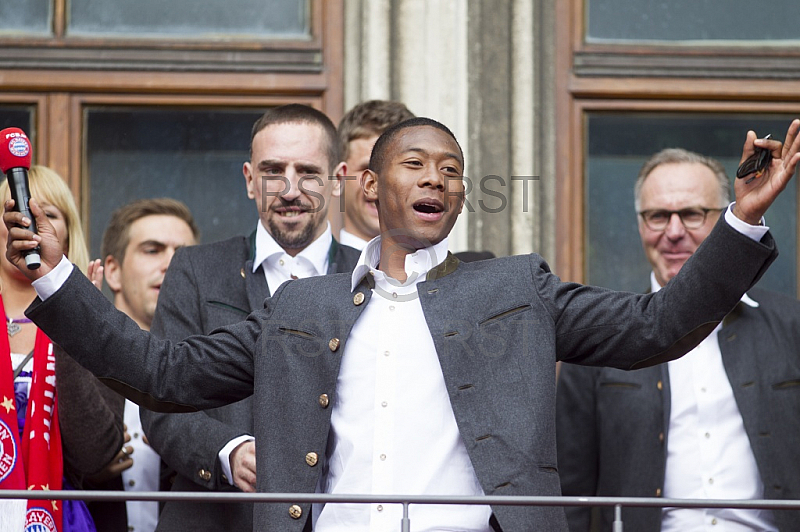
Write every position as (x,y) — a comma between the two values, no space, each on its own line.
(349,239)
(144,475)
(708,451)
(393,431)
(280,267)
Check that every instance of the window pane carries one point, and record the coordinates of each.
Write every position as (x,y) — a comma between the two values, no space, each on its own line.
(618,145)
(195,156)
(20,116)
(26,17)
(253,19)
(692,20)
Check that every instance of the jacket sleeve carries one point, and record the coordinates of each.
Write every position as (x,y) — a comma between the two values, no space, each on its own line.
(576,438)
(601,327)
(90,417)
(198,373)
(189,442)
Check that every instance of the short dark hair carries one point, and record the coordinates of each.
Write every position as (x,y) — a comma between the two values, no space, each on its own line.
(117,234)
(303,114)
(378,157)
(368,119)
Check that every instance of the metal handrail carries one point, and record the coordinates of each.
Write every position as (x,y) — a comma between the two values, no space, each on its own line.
(405,500)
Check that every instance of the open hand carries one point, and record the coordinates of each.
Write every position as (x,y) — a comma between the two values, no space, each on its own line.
(95,273)
(754,196)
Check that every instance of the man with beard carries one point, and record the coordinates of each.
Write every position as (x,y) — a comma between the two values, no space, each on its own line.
(294,158)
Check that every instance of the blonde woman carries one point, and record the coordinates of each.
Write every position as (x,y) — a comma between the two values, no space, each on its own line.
(67,424)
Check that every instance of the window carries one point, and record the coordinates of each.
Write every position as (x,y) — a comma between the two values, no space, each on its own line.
(128,98)
(194,155)
(634,77)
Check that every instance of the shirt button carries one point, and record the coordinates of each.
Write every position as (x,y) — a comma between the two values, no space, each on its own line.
(711,481)
(380,508)
(135,434)
(394,295)
(714,521)
(703,389)
(131,483)
(383,457)
(391,307)
(708,435)
(280,262)
(384,404)
(386,353)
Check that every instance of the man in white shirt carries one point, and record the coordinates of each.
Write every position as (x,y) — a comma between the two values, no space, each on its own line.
(718,423)
(138,244)
(292,177)
(358,130)
(486,334)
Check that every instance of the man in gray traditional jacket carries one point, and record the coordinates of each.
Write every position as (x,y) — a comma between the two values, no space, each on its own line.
(415,374)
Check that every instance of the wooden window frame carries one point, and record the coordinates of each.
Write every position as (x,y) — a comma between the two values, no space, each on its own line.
(639,78)
(62,76)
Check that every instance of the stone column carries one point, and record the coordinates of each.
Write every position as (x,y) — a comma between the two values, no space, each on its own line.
(484,69)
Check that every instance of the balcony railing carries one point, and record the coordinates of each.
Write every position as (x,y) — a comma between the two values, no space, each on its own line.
(405,525)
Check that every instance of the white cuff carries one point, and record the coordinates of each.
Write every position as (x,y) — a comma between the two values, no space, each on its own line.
(756,232)
(49,284)
(225,455)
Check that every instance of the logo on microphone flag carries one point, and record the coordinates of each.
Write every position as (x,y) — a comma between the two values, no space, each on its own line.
(19,146)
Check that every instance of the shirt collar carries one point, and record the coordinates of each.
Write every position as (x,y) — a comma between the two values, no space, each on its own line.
(417,266)
(316,252)
(349,239)
(655,287)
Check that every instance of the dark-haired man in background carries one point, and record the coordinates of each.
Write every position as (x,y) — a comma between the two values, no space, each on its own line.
(358,130)
(294,158)
(138,245)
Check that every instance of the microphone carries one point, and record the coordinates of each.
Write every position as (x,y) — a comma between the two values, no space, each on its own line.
(15,160)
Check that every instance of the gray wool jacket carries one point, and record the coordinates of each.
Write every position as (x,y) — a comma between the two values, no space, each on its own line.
(498,327)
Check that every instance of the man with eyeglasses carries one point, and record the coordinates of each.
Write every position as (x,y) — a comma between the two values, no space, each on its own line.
(720,423)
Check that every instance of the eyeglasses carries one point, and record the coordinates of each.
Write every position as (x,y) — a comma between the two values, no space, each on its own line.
(691,218)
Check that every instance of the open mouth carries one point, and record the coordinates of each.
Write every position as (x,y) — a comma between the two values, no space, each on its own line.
(428,206)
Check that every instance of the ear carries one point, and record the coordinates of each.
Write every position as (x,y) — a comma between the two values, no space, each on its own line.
(340,173)
(369,184)
(247,170)
(113,274)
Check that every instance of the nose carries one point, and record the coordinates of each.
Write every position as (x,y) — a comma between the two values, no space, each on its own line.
(291,188)
(432,177)
(675,228)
